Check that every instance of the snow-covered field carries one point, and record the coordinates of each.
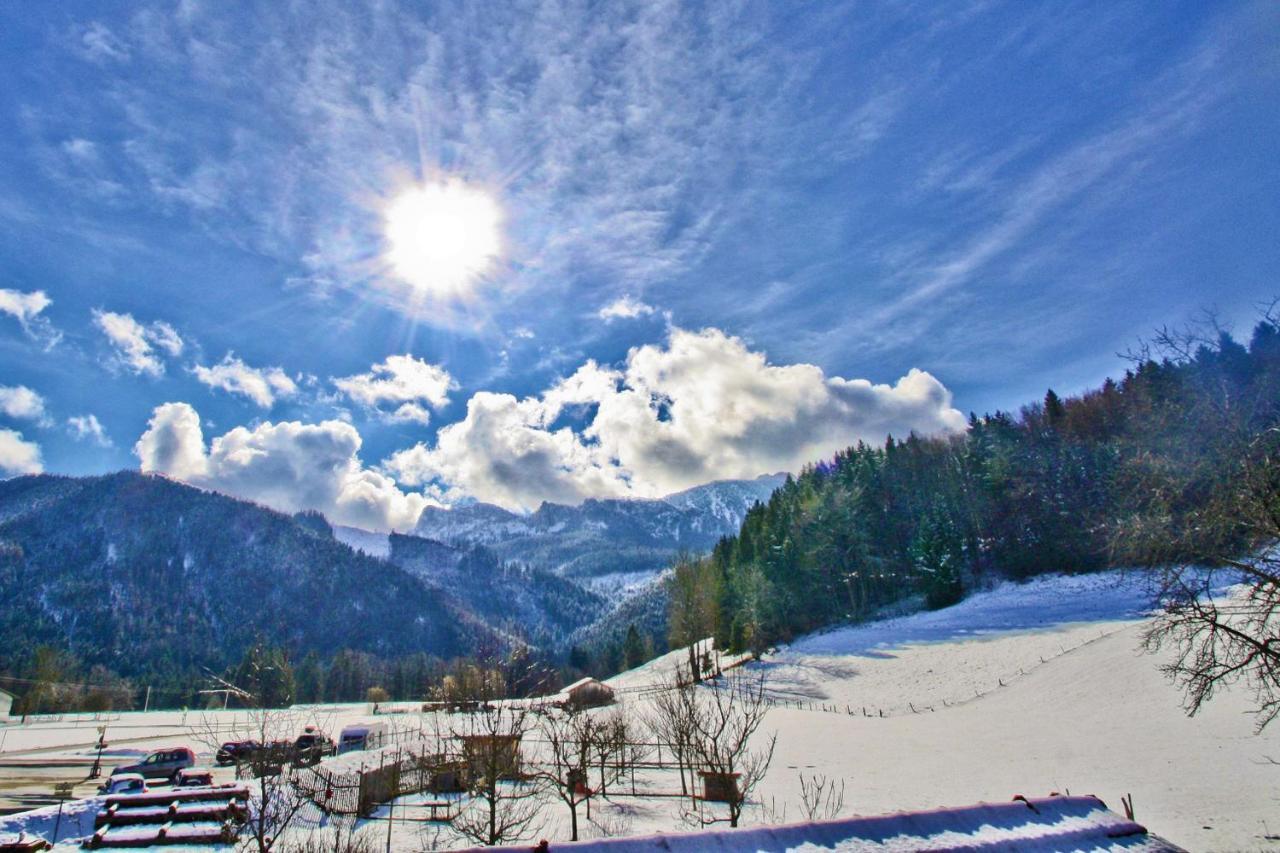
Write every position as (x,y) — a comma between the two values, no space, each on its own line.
(1024,689)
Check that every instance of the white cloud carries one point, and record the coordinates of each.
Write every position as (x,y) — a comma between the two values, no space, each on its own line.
(136,344)
(99,43)
(625,308)
(19,401)
(262,385)
(400,388)
(88,428)
(26,308)
(289,466)
(18,456)
(700,408)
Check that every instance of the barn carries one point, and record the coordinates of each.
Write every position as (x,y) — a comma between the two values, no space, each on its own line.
(587,693)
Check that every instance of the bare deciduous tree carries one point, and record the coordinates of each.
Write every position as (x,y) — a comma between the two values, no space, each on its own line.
(504,804)
(1214,523)
(723,719)
(821,798)
(570,739)
(671,724)
(275,800)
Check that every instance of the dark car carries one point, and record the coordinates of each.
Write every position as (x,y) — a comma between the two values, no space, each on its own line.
(312,745)
(236,751)
(161,764)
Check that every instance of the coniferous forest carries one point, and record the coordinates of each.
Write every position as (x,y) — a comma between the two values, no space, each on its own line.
(1121,475)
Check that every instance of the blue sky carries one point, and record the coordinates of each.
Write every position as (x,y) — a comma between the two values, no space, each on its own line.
(734,237)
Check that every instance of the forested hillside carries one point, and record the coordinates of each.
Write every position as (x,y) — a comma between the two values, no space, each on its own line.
(143,578)
(1121,474)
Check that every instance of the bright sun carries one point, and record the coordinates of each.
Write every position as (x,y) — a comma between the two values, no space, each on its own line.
(443,237)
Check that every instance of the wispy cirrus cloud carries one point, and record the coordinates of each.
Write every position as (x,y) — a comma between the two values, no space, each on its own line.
(88,428)
(138,348)
(27,307)
(625,308)
(1094,171)
(611,140)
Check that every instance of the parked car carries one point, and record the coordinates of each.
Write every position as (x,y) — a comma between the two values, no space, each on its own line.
(312,745)
(161,764)
(195,777)
(124,783)
(235,751)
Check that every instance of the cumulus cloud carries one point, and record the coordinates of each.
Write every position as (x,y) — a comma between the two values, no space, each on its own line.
(27,308)
(19,401)
(401,388)
(702,407)
(290,466)
(262,385)
(17,455)
(88,428)
(138,348)
(625,308)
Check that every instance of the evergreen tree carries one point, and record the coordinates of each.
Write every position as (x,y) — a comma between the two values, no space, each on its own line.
(633,651)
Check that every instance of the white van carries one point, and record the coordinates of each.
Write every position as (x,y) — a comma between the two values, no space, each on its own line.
(362,736)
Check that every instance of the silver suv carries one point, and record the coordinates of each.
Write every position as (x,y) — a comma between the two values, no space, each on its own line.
(161,764)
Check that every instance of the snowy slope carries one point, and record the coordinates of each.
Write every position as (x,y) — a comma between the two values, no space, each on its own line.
(364,541)
(1096,716)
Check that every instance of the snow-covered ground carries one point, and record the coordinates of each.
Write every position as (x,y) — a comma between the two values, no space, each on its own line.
(1024,689)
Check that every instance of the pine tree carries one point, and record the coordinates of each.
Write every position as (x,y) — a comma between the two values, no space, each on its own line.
(633,648)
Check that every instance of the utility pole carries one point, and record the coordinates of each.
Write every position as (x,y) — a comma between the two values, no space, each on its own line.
(97,762)
(146,703)
(62,790)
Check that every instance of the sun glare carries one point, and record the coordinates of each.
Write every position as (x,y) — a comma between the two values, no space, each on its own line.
(443,237)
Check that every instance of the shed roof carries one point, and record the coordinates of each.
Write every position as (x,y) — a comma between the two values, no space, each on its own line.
(1053,823)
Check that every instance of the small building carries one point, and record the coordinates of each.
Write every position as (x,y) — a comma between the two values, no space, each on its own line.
(6,704)
(486,753)
(587,693)
(719,787)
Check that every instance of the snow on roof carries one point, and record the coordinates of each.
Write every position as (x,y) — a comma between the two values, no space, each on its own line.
(582,682)
(1053,823)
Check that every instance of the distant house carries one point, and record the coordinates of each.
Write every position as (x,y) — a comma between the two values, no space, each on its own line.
(588,693)
(6,704)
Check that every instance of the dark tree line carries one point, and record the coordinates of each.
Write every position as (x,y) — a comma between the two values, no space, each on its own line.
(1145,469)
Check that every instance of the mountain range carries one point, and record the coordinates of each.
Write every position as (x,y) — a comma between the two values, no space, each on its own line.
(148,576)
(604,543)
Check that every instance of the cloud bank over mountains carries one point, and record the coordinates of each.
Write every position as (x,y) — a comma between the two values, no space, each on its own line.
(699,407)
(289,466)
